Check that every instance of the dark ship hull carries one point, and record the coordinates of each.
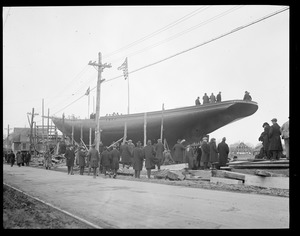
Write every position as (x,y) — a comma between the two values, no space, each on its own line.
(189,123)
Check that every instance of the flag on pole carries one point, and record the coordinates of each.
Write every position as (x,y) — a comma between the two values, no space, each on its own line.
(124,67)
(87,91)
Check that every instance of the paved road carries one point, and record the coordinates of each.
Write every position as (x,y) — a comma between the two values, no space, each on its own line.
(119,203)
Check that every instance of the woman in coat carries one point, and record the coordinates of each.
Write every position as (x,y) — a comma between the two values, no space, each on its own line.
(81,160)
(149,154)
(94,159)
(213,151)
(126,154)
(205,153)
(190,157)
(70,158)
(178,152)
(138,159)
(115,159)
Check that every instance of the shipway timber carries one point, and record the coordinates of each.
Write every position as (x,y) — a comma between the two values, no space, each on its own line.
(190,123)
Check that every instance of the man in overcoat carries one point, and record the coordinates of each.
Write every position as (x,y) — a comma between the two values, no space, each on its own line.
(70,158)
(197,101)
(81,160)
(115,158)
(19,159)
(138,159)
(149,154)
(12,158)
(94,159)
(213,151)
(205,153)
(106,162)
(219,99)
(212,98)
(275,146)
(178,152)
(205,99)
(48,160)
(223,150)
(125,154)
(159,149)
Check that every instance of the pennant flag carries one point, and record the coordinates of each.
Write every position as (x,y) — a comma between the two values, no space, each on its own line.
(87,91)
(124,67)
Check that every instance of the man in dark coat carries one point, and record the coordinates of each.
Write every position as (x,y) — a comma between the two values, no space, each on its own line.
(106,162)
(94,159)
(275,146)
(115,158)
(199,154)
(70,158)
(223,150)
(27,158)
(19,159)
(219,99)
(264,138)
(159,149)
(205,153)
(178,152)
(125,154)
(138,159)
(12,158)
(205,99)
(213,151)
(81,160)
(149,154)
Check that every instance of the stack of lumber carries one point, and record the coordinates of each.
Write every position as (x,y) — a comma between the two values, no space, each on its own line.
(125,171)
(262,164)
(261,178)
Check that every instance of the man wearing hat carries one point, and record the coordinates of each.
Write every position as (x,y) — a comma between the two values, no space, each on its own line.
(70,158)
(93,159)
(205,153)
(159,149)
(138,159)
(264,138)
(178,152)
(81,160)
(275,146)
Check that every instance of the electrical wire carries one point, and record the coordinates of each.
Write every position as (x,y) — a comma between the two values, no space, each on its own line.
(189,49)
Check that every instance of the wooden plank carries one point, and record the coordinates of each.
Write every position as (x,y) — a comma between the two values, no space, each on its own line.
(260,166)
(267,182)
(267,174)
(200,173)
(228,174)
(217,180)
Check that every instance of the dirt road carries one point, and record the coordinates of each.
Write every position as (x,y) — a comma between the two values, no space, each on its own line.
(114,203)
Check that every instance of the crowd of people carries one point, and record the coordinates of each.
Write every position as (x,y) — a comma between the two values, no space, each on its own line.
(271,140)
(22,158)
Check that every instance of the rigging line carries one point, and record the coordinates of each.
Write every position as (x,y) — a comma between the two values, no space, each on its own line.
(209,41)
(69,104)
(158,31)
(184,32)
(6,17)
(189,49)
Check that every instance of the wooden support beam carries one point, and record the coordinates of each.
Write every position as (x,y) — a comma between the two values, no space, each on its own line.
(90,138)
(217,180)
(267,182)
(227,174)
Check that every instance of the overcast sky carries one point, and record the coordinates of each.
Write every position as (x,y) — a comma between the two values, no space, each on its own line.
(46,51)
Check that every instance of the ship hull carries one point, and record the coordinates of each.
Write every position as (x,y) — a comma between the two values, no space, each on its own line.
(189,123)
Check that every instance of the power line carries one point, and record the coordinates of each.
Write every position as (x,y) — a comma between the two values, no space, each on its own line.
(184,32)
(158,31)
(189,49)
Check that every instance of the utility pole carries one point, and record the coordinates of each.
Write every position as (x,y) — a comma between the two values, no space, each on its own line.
(31,126)
(100,67)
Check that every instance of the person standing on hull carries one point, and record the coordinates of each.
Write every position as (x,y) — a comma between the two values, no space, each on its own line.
(149,154)
(138,159)
(197,101)
(81,160)
(285,131)
(159,149)
(70,158)
(219,99)
(115,158)
(275,146)
(247,96)
(178,152)
(212,98)
(106,162)
(223,150)
(205,99)
(205,153)
(94,159)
